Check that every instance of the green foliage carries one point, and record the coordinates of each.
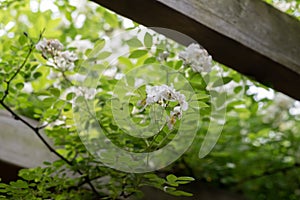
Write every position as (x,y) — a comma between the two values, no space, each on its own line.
(291,7)
(256,154)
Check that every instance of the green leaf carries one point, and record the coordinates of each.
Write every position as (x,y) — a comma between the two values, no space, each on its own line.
(170,63)
(46,163)
(178,64)
(99,45)
(244,113)
(26,174)
(68,16)
(150,60)
(20,86)
(55,92)
(36,75)
(202,105)
(238,89)
(59,104)
(19,184)
(185,178)
(70,96)
(221,99)
(49,101)
(14,48)
(111,19)
(180,193)
(103,55)
(125,61)
(169,189)
(134,42)
(222,81)
(201,96)
(138,53)
(22,39)
(171,178)
(148,40)
(68,106)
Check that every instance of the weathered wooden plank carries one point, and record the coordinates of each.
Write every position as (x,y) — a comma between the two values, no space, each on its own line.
(247,35)
(19,145)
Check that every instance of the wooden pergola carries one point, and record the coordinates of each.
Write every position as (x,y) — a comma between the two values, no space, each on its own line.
(249,36)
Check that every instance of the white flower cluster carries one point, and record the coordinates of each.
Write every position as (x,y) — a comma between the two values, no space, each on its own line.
(285,6)
(279,109)
(197,57)
(164,94)
(52,51)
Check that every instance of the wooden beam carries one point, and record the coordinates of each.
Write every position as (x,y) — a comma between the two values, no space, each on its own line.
(9,172)
(249,36)
(19,145)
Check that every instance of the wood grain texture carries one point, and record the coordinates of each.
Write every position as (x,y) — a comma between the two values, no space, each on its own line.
(249,36)
(19,145)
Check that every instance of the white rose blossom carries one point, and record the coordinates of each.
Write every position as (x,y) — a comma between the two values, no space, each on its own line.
(164,94)
(52,51)
(197,57)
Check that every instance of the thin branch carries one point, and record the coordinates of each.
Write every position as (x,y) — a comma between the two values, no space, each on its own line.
(67,79)
(16,73)
(48,123)
(91,179)
(123,193)
(36,129)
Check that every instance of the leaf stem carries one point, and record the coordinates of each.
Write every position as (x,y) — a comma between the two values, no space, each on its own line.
(37,129)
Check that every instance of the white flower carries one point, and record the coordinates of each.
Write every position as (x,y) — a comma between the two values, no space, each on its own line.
(41,45)
(65,60)
(68,56)
(77,77)
(55,44)
(175,114)
(164,94)
(230,165)
(170,122)
(181,99)
(197,57)
(279,109)
(284,6)
(152,94)
(51,47)
(283,101)
(52,51)
(177,111)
